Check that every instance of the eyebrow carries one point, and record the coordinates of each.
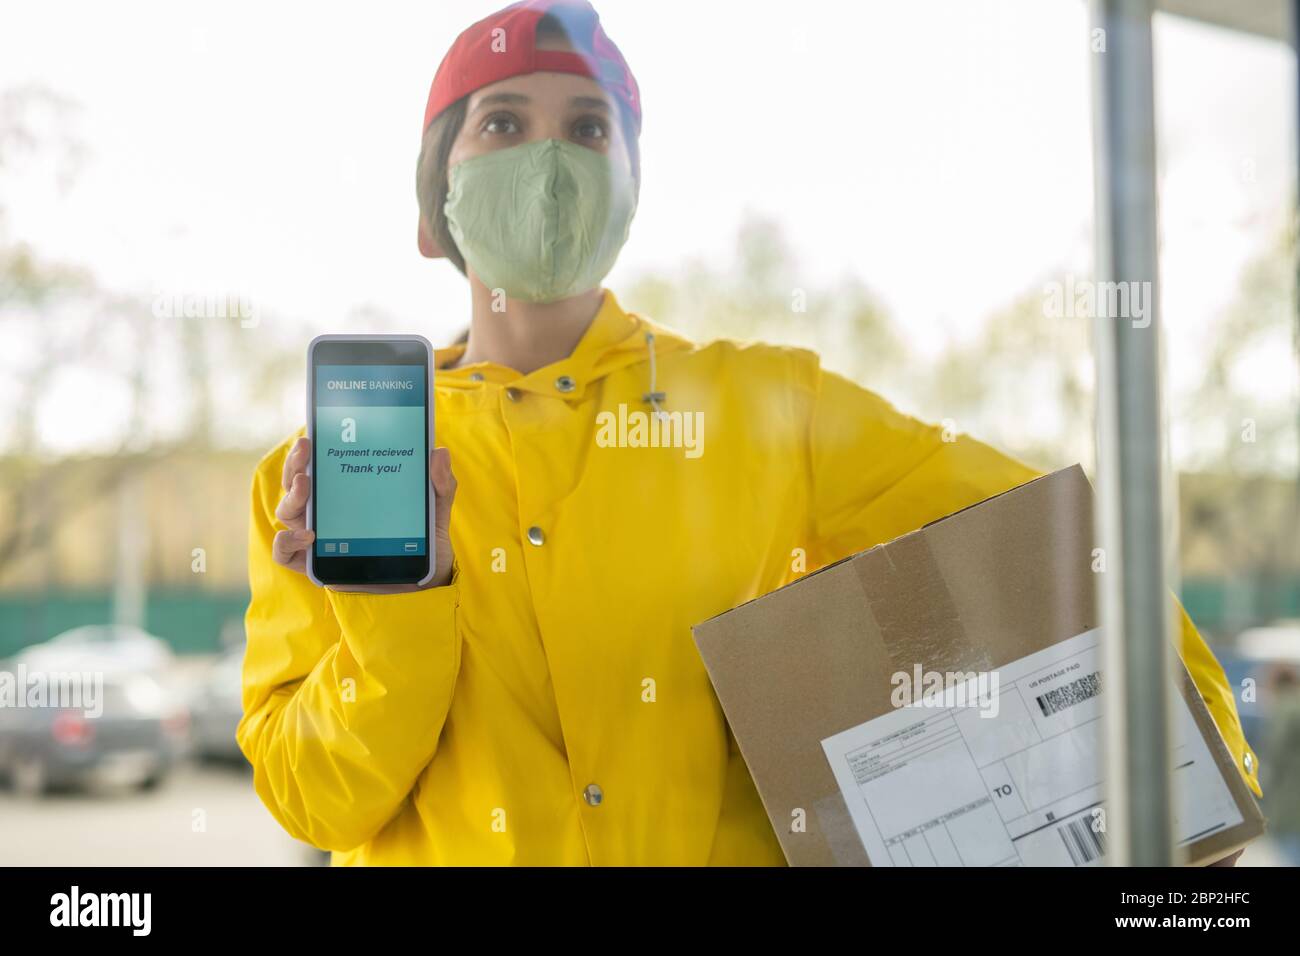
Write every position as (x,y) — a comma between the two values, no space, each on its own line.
(590,102)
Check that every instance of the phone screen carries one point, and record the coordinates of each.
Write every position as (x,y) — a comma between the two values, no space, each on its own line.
(370,470)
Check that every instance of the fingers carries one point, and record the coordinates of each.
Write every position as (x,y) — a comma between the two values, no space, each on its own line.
(444,487)
(289,548)
(296,461)
(292,510)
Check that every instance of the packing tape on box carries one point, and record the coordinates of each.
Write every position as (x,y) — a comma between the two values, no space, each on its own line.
(918,624)
(839,831)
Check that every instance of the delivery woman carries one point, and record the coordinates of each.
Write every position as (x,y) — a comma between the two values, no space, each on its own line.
(542,702)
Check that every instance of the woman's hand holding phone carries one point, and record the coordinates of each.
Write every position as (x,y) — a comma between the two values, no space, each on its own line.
(289,548)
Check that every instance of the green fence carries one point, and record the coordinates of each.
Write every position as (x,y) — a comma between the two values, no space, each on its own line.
(1222,608)
(193,622)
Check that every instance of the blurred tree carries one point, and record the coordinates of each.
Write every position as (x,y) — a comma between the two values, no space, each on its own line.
(150,374)
(1240,421)
(40,303)
(1025,384)
(1243,512)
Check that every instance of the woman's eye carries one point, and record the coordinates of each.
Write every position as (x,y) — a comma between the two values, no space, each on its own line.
(590,128)
(501,124)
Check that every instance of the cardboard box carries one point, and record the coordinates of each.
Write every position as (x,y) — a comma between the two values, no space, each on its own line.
(997,602)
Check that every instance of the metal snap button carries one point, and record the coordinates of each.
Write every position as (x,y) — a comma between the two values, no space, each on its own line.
(593,795)
(476,376)
(514,394)
(565,383)
(535,536)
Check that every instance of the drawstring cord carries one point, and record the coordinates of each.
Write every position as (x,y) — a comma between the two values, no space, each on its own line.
(653,397)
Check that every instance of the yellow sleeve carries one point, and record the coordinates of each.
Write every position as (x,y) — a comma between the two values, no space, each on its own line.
(877,474)
(344,694)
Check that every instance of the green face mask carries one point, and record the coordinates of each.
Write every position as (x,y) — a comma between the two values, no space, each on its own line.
(542,221)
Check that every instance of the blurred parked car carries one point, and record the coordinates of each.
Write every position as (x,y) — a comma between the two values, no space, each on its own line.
(1257,654)
(1279,641)
(216,710)
(113,721)
(127,647)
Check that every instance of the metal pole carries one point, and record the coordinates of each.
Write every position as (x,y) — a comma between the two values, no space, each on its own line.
(1133,593)
(129,587)
(1295,235)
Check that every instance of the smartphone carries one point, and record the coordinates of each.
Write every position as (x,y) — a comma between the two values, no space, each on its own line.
(370,420)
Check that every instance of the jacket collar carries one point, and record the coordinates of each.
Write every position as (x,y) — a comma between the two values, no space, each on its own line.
(614,340)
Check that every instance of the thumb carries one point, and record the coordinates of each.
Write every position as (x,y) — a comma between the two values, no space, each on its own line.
(444,487)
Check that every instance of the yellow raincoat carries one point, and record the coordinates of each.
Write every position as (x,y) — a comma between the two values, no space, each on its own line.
(509,718)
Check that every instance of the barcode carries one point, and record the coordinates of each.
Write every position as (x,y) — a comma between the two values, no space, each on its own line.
(1082,842)
(1070,694)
